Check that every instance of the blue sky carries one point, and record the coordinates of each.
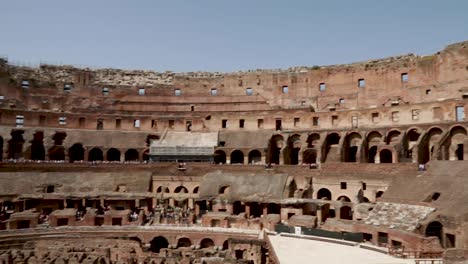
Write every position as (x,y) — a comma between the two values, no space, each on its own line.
(221,35)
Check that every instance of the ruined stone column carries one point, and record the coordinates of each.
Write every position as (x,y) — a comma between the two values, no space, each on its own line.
(265,210)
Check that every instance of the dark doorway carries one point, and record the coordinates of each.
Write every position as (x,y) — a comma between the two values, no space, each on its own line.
(113,154)
(15,144)
(459,152)
(237,157)
(76,152)
(158,243)
(57,153)
(95,154)
(386,156)
(324,194)
(219,157)
(434,229)
(37,146)
(131,155)
(372,154)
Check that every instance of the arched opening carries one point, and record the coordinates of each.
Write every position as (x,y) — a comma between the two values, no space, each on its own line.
(58,138)
(237,157)
(434,229)
(158,243)
(426,150)
(365,200)
(195,190)
(274,149)
(15,144)
(393,137)
(183,242)
(224,189)
(346,213)
(457,140)
(343,199)
(180,189)
(309,156)
(225,245)
(113,154)
(95,154)
(57,153)
(291,154)
(76,152)
(372,154)
(238,207)
(273,208)
(386,156)
(332,150)
(374,139)
(37,146)
(379,194)
(292,189)
(162,189)
(131,155)
(206,243)
(324,194)
(219,157)
(255,157)
(352,143)
(410,144)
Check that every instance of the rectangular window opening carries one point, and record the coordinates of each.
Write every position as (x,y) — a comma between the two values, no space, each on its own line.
(62,120)
(136,123)
(354,121)
(375,117)
(224,123)
(322,87)
(177,92)
(361,83)
(395,116)
(278,124)
(67,88)
(460,113)
(259,123)
(415,114)
(334,120)
(171,124)
(42,120)
(297,122)
(154,124)
(118,123)
(105,91)
(315,121)
(214,92)
(241,123)
(19,121)
(100,124)
(141,91)
(404,77)
(285,89)
(82,122)
(249,91)
(343,185)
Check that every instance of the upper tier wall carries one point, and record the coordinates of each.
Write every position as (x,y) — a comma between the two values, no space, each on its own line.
(410,78)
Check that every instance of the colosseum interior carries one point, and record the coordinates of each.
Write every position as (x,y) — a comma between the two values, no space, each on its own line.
(122,166)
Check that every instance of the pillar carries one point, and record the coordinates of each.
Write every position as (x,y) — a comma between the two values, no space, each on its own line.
(171,202)
(265,210)
(281,157)
(190,203)
(319,215)
(247,210)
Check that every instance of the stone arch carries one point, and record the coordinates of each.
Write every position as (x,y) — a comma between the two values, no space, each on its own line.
(386,156)
(346,213)
(343,198)
(56,153)
(313,140)
(324,194)
(332,151)
(180,189)
(195,190)
(37,146)
(274,149)
(291,153)
(162,189)
(184,242)
(207,243)
(76,152)
(353,142)
(434,228)
(95,154)
(113,154)
(255,156)
(132,155)
(219,157)
(411,141)
(59,137)
(373,140)
(457,146)
(379,194)
(225,245)
(224,189)
(158,243)
(15,144)
(237,157)
(393,136)
(428,144)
